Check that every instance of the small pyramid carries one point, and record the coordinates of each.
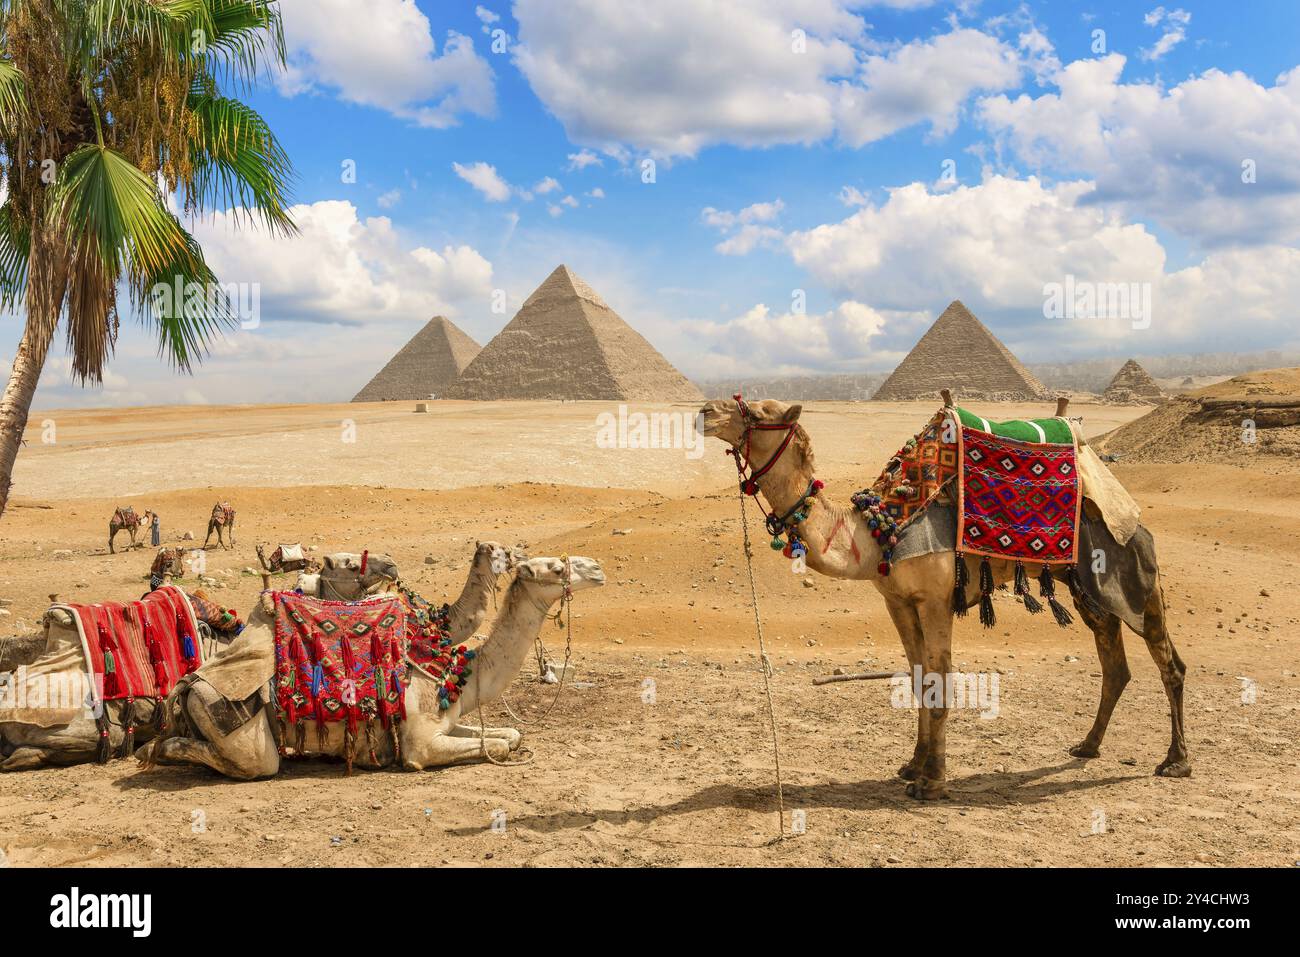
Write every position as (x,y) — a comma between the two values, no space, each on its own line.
(1132,382)
(425,366)
(958,352)
(566,343)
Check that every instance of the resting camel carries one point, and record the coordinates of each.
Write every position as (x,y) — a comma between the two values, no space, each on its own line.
(125,518)
(919,592)
(60,729)
(429,737)
(223,517)
(464,616)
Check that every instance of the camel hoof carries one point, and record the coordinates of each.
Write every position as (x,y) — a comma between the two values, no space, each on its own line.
(1174,769)
(1085,750)
(924,789)
(908,771)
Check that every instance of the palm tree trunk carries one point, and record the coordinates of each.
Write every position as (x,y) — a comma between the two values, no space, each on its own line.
(47,278)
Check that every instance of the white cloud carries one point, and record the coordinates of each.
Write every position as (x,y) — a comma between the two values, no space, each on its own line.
(671,81)
(570,202)
(485,178)
(554,210)
(548,185)
(486,15)
(596,193)
(788,343)
(383,54)
(342,269)
(389,199)
(584,158)
(1175,30)
(1176,154)
(744,230)
(996,246)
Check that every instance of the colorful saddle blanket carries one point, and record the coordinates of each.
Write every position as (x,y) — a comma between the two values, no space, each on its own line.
(139,649)
(125,517)
(1019,500)
(223,620)
(339,660)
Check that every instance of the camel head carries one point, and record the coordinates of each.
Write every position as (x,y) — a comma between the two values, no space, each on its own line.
(545,576)
(723,419)
(495,558)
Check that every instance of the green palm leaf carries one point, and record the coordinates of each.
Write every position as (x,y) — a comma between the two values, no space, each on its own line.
(238,163)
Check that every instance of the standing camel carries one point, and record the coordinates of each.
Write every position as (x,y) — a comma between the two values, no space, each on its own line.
(125,519)
(223,517)
(431,736)
(919,592)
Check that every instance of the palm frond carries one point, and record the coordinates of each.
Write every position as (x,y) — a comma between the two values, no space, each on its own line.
(13,94)
(15,248)
(238,163)
(248,35)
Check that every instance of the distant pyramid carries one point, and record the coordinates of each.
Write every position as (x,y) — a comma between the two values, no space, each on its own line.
(566,343)
(425,366)
(1132,383)
(959,353)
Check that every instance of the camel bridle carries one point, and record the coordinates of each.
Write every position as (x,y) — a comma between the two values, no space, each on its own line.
(749,483)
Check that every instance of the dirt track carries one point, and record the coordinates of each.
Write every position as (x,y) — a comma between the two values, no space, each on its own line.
(687,778)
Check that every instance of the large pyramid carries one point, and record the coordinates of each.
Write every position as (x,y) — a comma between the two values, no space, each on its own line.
(959,353)
(566,343)
(425,366)
(1132,383)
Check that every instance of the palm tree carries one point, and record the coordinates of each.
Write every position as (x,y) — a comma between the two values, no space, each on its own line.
(112,116)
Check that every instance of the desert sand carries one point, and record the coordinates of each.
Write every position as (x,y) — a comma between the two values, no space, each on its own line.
(683,775)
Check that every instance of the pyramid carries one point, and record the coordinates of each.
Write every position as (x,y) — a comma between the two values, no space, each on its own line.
(1132,383)
(566,343)
(960,353)
(425,366)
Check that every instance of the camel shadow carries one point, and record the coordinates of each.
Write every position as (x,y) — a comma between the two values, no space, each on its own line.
(989,790)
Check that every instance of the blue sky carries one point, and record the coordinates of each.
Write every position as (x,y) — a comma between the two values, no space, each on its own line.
(799,220)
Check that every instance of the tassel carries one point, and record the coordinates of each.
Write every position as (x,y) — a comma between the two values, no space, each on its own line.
(1075,584)
(959,587)
(188,649)
(105,746)
(987,617)
(1047,588)
(128,744)
(300,738)
(1032,605)
(365,560)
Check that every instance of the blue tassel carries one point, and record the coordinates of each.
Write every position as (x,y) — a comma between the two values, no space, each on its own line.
(187,646)
(317,679)
(471,655)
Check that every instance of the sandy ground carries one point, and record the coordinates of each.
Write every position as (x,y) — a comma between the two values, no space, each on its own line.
(661,754)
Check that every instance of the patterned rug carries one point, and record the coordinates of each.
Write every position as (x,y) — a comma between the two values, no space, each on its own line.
(340,661)
(1019,500)
(140,649)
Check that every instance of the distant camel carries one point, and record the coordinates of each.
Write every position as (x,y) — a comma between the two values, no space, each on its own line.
(223,516)
(125,518)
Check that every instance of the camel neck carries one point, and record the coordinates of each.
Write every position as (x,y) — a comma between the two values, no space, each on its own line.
(839,542)
(502,654)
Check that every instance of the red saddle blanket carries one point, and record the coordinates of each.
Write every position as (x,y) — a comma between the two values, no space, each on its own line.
(140,649)
(432,649)
(340,660)
(1019,500)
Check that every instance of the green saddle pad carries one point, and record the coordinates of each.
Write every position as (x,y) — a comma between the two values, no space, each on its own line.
(1022,430)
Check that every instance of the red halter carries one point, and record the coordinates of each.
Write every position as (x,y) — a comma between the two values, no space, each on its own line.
(749,484)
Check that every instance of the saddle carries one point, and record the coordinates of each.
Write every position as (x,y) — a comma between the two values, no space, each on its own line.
(288,558)
(125,517)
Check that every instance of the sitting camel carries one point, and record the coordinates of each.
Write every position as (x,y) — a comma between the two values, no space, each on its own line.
(60,727)
(223,517)
(341,580)
(919,592)
(125,518)
(431,736)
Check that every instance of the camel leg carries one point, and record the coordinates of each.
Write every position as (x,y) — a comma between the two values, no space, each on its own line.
(935,615)
(908,626)
(1114,676)
(510,735)
(25,759)
(112,534)
(209,535)
(440,750)
(1172,670)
